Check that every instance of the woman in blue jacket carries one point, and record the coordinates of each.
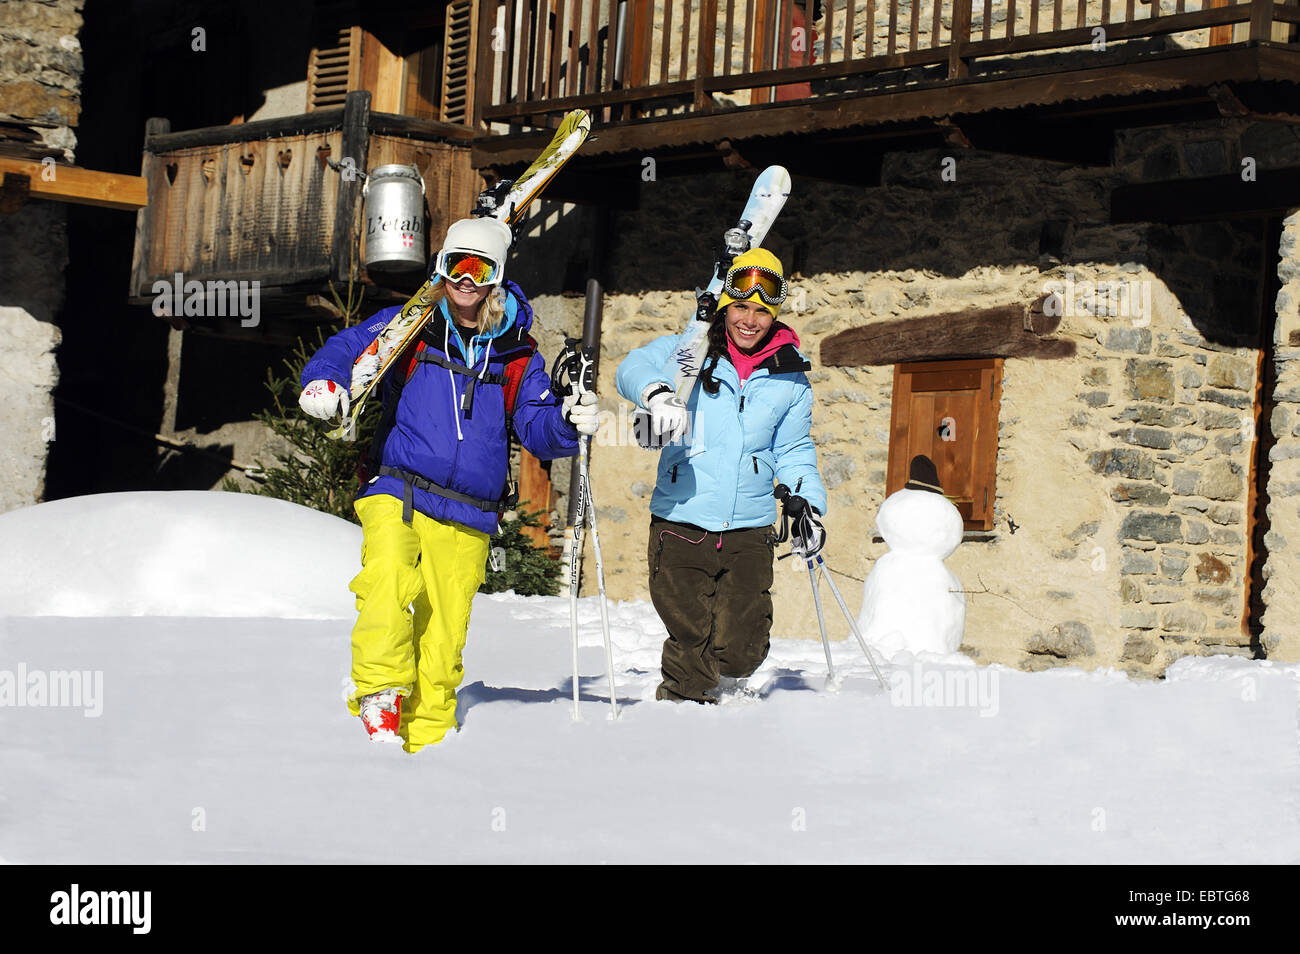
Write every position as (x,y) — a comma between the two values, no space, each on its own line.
(438,490)
(746,425)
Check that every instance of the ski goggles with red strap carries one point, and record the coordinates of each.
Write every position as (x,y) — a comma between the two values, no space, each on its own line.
(744,281)
(477,267)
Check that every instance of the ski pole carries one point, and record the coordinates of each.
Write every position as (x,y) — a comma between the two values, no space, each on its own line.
(821,621)
(585,477)
(578,367)
(853,624)
(575,573)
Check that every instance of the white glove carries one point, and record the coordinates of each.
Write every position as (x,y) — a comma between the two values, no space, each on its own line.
(668,415)
(321,398)
(580,411)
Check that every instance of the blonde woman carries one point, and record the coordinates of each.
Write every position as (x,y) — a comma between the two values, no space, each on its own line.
(437,475)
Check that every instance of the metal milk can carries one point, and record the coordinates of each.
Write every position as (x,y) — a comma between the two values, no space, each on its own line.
(395,234)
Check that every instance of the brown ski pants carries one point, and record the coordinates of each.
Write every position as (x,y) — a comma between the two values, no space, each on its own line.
(713,592)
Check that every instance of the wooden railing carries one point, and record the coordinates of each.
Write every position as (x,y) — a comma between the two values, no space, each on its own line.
(634,58)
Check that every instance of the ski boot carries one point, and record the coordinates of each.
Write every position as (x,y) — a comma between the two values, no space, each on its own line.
(731,690)
(381,713)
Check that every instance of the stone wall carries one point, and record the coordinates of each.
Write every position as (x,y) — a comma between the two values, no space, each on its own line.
(1122,471)
(27,367)
(40,77)
(1282,591)
(40,73)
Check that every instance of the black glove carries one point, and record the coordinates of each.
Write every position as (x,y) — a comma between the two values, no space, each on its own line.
(801,524)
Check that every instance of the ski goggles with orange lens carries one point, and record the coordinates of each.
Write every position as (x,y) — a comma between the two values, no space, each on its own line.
(745,281)
(475,266)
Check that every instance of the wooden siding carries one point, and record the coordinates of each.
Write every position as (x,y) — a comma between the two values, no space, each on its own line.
(261,202)
(241,210)
(448,177)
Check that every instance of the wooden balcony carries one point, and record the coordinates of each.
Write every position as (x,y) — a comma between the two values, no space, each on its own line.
(261,202)
(669,73)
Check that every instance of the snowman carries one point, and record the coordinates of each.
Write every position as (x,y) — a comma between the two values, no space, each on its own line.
(910,600)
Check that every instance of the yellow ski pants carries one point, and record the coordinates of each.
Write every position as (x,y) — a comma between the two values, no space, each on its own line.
(434,567)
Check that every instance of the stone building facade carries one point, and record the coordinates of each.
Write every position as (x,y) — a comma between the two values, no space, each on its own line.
(40,83)
(1123,512)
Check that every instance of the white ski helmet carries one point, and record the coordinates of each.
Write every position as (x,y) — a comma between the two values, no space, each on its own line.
(475,248)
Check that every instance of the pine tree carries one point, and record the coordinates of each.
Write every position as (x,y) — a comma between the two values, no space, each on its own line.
(527,569)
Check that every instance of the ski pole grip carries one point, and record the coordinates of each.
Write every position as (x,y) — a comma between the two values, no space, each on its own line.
(794,505)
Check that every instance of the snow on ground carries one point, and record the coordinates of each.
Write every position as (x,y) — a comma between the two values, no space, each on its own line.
(180,553)
(226,740)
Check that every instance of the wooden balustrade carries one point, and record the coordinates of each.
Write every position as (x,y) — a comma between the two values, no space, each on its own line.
(261,201)
(635,58)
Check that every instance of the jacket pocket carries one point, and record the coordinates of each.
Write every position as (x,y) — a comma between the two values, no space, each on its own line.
(761,470)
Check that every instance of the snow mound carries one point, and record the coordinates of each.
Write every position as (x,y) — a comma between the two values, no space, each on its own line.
(178,553)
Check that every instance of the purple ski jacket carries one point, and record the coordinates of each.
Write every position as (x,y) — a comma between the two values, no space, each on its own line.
(440,436)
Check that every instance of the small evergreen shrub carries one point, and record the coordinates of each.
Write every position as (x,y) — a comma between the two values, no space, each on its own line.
(527,569)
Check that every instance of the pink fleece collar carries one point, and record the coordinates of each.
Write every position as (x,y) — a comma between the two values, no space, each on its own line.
(782,334)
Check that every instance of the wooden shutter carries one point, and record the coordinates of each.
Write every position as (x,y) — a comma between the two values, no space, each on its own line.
(334,67)
(458,72)
(948,411)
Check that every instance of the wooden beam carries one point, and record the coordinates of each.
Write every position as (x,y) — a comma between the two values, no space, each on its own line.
(1271,192)
(60,183)
(323,120)
(1007,331)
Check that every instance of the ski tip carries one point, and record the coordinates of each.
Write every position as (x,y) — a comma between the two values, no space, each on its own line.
(776,179)
(580,118)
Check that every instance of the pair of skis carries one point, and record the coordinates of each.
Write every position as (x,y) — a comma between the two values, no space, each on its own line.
(766,199)
(506,202)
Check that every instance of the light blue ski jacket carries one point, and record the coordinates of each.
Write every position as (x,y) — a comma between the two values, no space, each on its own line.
(743,440)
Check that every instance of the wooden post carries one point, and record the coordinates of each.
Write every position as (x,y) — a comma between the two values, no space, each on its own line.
(1221,35)
(479,86)
(704,54)
(1261,20)
(345,248)
(154,126)
(534,494)
(957,67)
(172,383)
(760,12)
